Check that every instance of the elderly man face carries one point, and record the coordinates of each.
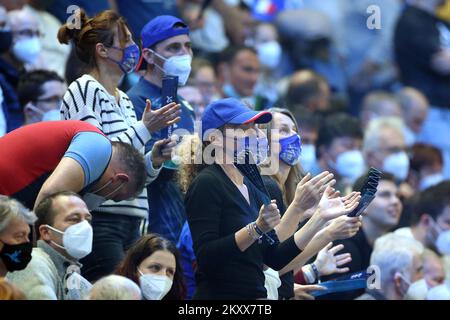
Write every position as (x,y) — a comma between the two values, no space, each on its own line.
(26,36)
(23,24)
(381,107)
(390,141)
(416,113)
(433,269)
(417,268)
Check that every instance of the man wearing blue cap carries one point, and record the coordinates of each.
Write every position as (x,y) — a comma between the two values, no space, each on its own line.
(166,50)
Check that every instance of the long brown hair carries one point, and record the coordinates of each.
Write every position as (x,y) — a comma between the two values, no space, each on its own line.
(99,29)
(296,173)
(144,248)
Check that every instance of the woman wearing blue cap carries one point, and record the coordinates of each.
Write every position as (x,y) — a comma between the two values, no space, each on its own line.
(226,215)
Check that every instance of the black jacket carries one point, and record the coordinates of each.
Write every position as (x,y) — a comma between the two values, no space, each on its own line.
(216,210)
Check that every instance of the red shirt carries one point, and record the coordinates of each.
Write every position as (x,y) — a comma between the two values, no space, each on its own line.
(34,151)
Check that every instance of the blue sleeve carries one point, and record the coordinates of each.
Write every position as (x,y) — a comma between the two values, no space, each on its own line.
(93,152)
(138,101)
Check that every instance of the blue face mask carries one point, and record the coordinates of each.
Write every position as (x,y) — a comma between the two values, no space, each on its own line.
(291,147)
(130,58)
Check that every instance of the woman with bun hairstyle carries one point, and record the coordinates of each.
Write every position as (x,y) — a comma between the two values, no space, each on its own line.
(105,44)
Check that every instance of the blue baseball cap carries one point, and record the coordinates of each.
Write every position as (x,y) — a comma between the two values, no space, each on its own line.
(160,29)
(231,111)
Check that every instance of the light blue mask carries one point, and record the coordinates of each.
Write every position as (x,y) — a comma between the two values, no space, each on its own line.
(308,157)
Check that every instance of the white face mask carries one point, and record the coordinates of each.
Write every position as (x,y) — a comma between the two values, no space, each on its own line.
(179,66)
(77,239)
(398,165)
(51,115)
(153,286)
(308,157)
(443,242)
(441,292)
(27,50)
(431,180)
(93,200)
(417,290)
(269,54)
(350,164)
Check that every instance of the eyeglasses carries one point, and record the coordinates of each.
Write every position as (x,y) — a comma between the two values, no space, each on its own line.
(54,99)
(28,33)
(393,150)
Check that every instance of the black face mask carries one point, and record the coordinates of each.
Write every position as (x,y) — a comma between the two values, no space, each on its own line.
(5,40)
(16,256)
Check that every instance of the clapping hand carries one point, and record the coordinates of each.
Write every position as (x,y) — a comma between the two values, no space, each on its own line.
(327,262)
(310,190)
(331,207)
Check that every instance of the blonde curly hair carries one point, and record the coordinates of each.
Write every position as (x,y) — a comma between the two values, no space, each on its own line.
(189,155)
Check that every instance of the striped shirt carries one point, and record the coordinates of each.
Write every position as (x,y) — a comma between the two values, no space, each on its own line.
(87,100)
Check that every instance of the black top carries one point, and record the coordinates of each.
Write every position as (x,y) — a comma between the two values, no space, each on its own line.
(286,290)
(417,39)
(360,249)
(216,210)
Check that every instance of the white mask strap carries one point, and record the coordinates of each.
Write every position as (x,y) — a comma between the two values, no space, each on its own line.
(103,187)
(35,109)
(54,229)
(115,190)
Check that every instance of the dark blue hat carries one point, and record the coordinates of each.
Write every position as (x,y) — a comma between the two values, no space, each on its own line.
(160,29)
(231,111)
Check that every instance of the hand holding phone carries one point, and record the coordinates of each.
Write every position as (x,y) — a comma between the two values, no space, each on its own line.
(169,92)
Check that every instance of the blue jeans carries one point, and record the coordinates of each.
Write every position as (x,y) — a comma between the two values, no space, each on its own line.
(436,131)
(113,235)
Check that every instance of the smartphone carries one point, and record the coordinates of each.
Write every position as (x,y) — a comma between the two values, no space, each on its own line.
(168,95)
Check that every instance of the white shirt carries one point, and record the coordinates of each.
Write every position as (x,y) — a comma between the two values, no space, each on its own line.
(87,100)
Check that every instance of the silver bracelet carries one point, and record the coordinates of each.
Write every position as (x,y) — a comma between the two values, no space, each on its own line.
(252,232)
(309,274)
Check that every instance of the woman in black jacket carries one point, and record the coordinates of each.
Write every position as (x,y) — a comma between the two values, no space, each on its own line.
(225,211)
